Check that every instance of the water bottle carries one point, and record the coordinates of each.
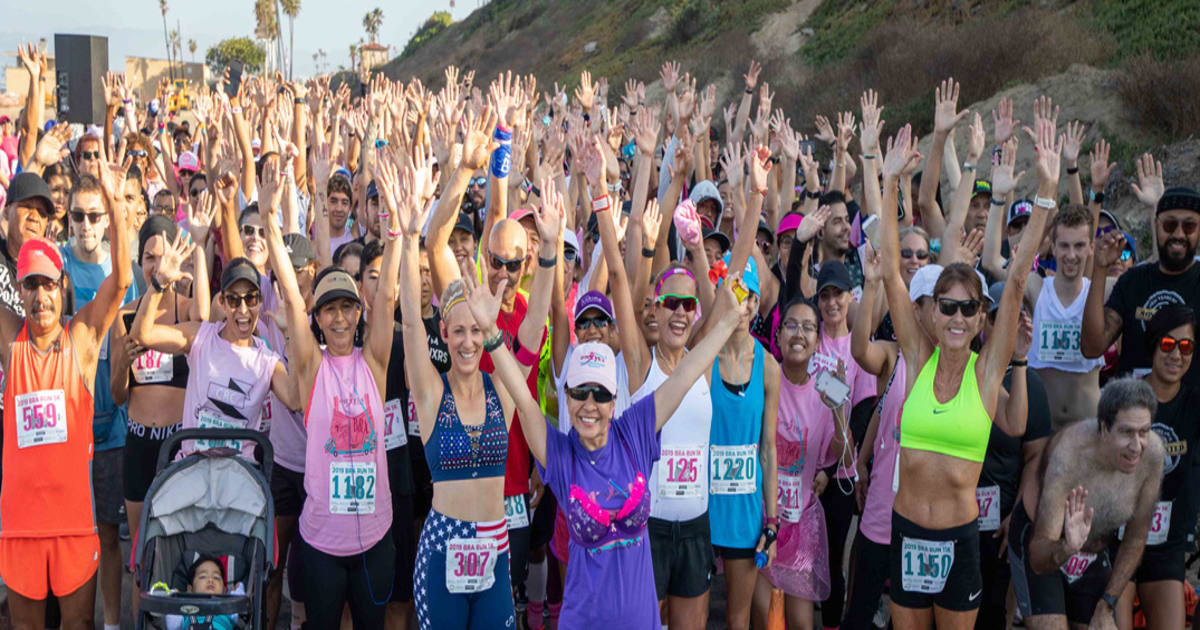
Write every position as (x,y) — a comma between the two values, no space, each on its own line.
(760,559)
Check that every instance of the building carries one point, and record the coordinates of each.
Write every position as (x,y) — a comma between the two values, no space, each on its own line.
(144,73)
(371,55)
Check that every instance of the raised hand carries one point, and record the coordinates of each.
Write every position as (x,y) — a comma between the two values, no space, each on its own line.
(1077,520)
(872,125)
(812,223)
(112,180)
(270,191)
(549,216)
(483,304)
(32,59)
(1003,121)
(1101,167)
(945,112)
(872,270)
(670,75)
(1073,142)
(651,222)
(1108,249)
(171,262)
(760,165)
(733,164)
(845,131)
(975,139)
(969,247)
(1003,180)
(824,130)
(1045,109)
(1024,333)
(1149,187)
(226,188)
(50,148)
(1049,150)
(645,130)
(900,152)
(200,215)
(751,75)
(478,143)
(631,93)
(586,92)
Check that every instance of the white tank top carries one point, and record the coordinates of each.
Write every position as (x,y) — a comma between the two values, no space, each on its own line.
(679,480)
(1057,331)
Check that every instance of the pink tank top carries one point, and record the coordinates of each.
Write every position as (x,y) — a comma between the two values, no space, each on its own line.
(286,427)
(802,438)
(349,504)
(227,386)
(876,521)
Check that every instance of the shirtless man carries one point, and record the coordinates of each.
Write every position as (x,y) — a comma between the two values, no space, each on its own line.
(1072,381)
(1099,477)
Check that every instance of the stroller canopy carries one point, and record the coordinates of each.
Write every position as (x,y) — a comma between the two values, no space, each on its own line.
(222,491)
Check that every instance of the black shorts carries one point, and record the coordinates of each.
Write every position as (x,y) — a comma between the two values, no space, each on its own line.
(682,555)
(733,553)
(142,444)
(287,489)
(1054,593)
(519,540)
(106,479)
(405,540)
(1162,563)
(950,581)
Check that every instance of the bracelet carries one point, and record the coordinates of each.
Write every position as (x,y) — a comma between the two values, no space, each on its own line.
(812,194)
(127,101)
(968,166)
(749,91)
(394,235)
(1044,202)
(490,345)
(1019,362)
(1071,170)
(527,357)
(235,109)
(647,252)
(997,202)
(299,101)
(600,204)
(867,156)
(547,263)
(772,520)
(158,288)
(614,187)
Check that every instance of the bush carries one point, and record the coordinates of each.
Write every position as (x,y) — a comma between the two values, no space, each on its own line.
(1163,96)
(1166,29)
(439,21)
(242,49)
(690,18)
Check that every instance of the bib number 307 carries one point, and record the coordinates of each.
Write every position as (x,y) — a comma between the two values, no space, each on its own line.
(925,564)
(470,565)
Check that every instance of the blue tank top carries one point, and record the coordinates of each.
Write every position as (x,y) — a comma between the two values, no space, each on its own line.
(454,453)
(735,496)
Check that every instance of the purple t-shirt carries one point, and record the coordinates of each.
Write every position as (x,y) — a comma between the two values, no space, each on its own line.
(605,495)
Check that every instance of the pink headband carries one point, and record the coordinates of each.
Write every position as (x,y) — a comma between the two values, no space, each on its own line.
(667,274)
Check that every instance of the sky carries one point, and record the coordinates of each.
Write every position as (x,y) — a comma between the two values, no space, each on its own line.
(135,28)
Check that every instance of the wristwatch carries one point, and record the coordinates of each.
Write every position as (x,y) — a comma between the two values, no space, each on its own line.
(1112,603)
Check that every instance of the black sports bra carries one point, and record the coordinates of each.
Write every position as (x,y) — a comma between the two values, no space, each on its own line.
(155,368)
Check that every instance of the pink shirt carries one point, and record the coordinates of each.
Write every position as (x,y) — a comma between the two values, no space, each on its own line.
(349,504)
(803,437)
(876,523)
(286,427)
(227,385)
(861,382)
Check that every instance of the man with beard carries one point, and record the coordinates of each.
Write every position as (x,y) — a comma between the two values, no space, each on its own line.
(1141,291)
(1072,382)
(833,242)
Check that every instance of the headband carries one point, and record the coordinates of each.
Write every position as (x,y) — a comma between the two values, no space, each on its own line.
(667,274)
(455,301)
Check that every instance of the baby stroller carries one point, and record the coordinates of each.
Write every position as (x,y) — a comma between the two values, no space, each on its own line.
(210,502)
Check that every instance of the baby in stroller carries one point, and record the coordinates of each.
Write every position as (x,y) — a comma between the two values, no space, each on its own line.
(207,577)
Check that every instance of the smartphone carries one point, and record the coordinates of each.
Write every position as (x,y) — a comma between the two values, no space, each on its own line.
(834,389)
(806,147)
(870,227)
(235,78)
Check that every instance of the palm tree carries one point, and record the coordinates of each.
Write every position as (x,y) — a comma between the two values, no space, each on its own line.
(192,49)
(372,21)
(266,24)
(291,8)
(176,48)
(162,6)
(353,52)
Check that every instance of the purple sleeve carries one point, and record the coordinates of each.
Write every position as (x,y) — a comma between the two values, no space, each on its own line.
(637,427)
(558,450)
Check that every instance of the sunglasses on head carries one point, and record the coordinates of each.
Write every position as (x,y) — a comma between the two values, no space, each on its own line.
(512,266)
(235,300)
(90,155)
(478,181)
(591,322)
(671,302)
(1168,343)
(92,217)
(1169,225)
(254,230)
(949,307)
(598,393)
(33,283)
(921,254)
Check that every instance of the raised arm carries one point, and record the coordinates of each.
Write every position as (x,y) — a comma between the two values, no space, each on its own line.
(95,318)
(961,200)
(549,218)
(873,357)
(945,117)
(399,188)
(901,151)
(1016,410)
(302,343)
(241,131)
(477,146)
(146,331)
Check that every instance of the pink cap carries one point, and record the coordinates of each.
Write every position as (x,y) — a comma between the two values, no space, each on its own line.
(39,257)
(188,161)
(523,213)
(789,222)
(593,362)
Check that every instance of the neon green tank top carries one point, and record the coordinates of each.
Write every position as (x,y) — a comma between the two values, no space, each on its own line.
(958,428)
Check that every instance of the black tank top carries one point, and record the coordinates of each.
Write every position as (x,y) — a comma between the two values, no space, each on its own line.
(154,368)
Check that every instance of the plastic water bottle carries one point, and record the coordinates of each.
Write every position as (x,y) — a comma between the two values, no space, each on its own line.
(760,559)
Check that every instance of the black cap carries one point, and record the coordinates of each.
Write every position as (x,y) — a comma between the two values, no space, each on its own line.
(1176,198)
(372,190)
(717,236)
(156,225)
(26,186)
(833,273)
(995,292)
(299,249)
(982,186)
(465,223)
(239,269)
(763,227)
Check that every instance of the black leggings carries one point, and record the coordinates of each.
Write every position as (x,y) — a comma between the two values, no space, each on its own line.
(839,510)
(996,574)
(365,579)
(871,562)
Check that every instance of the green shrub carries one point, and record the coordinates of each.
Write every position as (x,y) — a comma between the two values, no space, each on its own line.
(438,22)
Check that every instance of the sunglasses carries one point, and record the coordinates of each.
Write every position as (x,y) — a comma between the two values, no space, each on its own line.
(138,154)
(599,394)
(794,327)
(33,283)
(92,217)
(909,253)
(1167,344)
(591,322)
(254,230)
(1170,225)
(90,155)
(1104,230)
(478,181)
(512,266)
(235,300)
(167,209)
(195,192)
(949,307)
(569,254)
(671,302)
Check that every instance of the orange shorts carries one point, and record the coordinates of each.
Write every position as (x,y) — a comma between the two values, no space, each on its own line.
(34,566)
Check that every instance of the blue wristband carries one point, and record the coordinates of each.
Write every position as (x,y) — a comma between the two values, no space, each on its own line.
(502,156)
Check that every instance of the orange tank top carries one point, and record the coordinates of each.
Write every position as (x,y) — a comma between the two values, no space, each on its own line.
(47,443)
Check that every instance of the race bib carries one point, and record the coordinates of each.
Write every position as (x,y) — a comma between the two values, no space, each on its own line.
(1160,524)
(153,366)
(1058,341)
(680,472)
(515,511)
(470,564)
(790,497)
(394,436)
(988,499)
(1077,565)
(820,361)
(925,564)
(209,419)
(351,487)
(733,469)
(414,427)
(41,418)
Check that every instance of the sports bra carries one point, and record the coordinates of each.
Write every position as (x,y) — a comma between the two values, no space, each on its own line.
(153,367)
(453,453)
(959,427)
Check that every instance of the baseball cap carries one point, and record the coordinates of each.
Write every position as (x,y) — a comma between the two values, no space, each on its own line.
(923,281)
(299,249)
(1111,217)
(707,190)
(1020,208)
(1130,245)
(570,240)
(1179,198)
(982,186)
(465,223)
(239,269)
(749,274)
(26,186)
(39,257)
(994,293)
(334,284)
(4,119)
(188,161)
(789,222)
(593,300)
(523,213)
(763,227)
(593,362)
(372,190)
(833,273)
(719,237)
(983,284)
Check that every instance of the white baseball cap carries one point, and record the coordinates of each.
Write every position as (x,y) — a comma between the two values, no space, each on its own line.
(593,362)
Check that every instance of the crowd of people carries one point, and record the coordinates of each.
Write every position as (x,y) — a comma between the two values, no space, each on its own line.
(527,360)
